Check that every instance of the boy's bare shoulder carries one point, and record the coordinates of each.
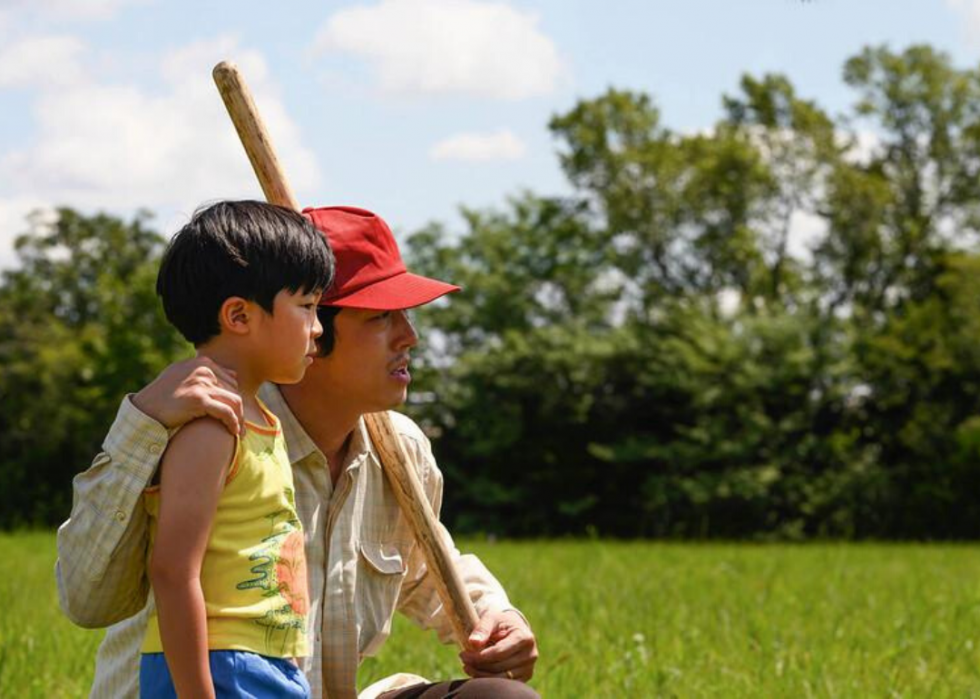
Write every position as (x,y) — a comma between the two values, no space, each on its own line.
(208,428)
(204,440)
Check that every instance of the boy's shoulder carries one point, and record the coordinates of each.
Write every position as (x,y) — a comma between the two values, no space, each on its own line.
(205,439)
(206,428)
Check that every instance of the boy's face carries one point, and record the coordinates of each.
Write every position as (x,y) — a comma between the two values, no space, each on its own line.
(287,336)
(367,371)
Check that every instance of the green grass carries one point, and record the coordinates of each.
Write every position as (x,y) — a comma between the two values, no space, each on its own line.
(639,620)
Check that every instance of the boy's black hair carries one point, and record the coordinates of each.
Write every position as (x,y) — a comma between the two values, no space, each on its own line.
(238,248)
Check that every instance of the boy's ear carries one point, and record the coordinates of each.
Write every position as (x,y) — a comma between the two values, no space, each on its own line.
(235,315)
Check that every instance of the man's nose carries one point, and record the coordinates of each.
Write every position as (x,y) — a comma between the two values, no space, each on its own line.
(317,328)
(405,335)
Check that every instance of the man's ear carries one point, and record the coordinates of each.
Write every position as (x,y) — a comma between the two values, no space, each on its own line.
(236,315)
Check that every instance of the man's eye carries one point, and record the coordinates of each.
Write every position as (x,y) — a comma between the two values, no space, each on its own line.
(382,316)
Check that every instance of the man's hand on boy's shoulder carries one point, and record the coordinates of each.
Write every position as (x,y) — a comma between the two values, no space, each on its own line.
(191,389)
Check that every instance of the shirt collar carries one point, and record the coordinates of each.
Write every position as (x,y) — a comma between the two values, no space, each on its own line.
(361,449)
(299,445)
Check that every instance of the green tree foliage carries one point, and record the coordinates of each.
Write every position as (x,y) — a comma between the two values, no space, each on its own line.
(80,326)
(650,357)
(653,355)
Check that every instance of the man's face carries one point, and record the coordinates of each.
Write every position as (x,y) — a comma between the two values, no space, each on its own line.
(367,371)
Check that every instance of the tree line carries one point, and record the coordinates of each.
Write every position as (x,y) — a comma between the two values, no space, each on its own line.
(659,353)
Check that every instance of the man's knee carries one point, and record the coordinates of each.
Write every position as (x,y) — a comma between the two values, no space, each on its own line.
(480,688)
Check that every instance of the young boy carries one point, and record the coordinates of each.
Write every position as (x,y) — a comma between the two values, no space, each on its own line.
(241,282)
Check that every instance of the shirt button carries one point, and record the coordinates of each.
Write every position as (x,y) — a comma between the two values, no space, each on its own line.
(154,449)
(120,516)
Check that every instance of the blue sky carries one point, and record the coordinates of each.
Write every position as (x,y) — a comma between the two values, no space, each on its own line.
(406,107)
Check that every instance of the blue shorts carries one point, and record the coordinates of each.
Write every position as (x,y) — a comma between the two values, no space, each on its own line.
(235,673)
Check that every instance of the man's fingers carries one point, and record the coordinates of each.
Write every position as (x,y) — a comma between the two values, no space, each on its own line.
(208,383)
(512,652)
(187,390)
(232,399)
(225,413)
(481,634)
(214,388)
(226,378)
(500,651)
(206,371)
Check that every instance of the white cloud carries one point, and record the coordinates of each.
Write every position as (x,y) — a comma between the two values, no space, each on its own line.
(862,145)
(729,300)
(41,61)
(66,9)
(434,47)
(13,221)
(120,147)
(479,147)
(806,230)
(970,9)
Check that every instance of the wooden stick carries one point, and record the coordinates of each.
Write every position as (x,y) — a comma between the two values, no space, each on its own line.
(253,135)
(415,506)
(403,479)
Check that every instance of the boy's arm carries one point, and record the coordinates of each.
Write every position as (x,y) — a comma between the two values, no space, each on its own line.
(191,480)
(101,568)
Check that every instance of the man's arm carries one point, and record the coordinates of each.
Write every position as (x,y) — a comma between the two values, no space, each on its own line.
(502,642)
(192,477)
(101,568)
(102,547)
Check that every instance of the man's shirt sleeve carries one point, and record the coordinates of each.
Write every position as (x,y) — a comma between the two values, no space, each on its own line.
(419,599)
(101,568)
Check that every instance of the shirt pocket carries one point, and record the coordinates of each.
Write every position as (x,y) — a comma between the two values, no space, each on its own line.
(381,570)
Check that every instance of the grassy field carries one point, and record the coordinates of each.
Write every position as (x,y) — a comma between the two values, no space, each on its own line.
(638,620)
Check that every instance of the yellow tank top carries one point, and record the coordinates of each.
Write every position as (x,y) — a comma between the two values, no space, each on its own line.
(254,571)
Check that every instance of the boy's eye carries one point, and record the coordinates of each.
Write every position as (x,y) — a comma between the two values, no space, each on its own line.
(382,316)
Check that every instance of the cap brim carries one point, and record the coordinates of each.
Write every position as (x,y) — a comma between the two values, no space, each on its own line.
(405,290)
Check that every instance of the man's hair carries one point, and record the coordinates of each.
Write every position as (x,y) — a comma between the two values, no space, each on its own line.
(325,343)
(238,248)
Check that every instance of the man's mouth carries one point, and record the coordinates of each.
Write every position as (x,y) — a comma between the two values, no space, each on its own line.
(400,371)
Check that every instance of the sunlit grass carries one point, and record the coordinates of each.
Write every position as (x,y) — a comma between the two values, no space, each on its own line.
(637,619)
(41,653)
(646,619)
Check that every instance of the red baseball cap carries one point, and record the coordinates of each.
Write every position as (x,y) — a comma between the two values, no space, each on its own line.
(370,272)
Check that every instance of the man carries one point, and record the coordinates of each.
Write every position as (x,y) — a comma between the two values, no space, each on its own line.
(362,559)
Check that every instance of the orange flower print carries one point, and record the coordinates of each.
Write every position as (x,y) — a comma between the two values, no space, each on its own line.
(291,573)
